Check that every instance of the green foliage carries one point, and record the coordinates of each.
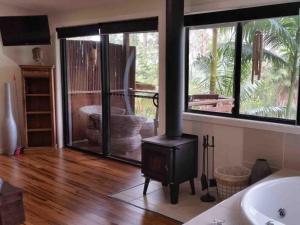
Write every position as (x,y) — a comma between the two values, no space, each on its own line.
(275,94)
(200,69)
(145,107)
(146,57)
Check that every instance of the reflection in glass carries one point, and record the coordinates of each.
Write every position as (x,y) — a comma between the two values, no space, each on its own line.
(133,62)
(84,93)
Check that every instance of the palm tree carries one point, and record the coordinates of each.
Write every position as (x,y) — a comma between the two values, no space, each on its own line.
(283,35)
(214,61)
(214,71)
(281,51)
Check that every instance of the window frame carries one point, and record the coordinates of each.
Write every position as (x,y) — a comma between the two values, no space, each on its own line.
(238,16)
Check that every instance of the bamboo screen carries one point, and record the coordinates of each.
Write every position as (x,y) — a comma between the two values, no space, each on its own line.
(118,57)
(83,67)
(84,70)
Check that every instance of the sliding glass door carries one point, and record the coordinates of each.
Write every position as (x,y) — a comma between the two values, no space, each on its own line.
(133,69)
(110,86)
(83,94)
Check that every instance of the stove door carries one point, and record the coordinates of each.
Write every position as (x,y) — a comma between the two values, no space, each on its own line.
(156,162)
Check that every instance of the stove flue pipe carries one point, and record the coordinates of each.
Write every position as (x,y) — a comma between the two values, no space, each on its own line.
(174,67)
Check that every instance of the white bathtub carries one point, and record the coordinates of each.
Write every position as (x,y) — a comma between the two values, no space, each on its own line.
(275,202)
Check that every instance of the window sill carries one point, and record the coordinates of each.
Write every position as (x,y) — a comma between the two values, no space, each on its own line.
(242,123)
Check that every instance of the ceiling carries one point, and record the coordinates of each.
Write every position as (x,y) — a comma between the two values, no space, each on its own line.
(53,6)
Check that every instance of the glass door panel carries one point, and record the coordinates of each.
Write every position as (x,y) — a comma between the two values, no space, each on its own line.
(84,93)
(133,65)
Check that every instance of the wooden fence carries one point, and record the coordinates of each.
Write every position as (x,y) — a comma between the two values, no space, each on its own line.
(84,78)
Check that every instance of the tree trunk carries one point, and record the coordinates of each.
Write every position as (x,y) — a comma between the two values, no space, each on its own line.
(294,74)
(292,84)
(214,61)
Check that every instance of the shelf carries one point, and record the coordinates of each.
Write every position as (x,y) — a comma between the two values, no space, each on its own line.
(38,112)
(37,95)
(37,85)
(39,130)
(39,139)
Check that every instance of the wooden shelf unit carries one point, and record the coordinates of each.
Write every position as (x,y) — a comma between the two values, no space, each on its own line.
(39,106)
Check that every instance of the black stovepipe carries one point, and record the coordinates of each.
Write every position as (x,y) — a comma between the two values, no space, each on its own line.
(174,67)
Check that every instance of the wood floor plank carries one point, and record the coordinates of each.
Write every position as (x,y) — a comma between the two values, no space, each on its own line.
(71,188)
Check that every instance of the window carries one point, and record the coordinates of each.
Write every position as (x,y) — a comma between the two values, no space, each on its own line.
(247,67)
(272,90)
(211,68)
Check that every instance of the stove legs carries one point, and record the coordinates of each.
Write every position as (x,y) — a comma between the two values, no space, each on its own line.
(192,186)
(174,191)
(147,181)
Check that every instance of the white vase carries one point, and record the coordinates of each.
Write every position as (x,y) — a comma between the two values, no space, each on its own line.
(9,128)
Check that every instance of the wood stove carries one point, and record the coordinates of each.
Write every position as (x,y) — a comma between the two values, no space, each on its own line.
(170,161)
(172,158)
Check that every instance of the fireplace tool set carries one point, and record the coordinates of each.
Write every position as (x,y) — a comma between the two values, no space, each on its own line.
(206,183)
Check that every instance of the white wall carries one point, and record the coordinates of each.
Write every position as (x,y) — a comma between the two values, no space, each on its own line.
(129,9)
(241,142)
(218,5)
(10,59)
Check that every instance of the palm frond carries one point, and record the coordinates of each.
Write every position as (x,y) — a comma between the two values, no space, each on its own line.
(268,111)
(202,63)
(248,90)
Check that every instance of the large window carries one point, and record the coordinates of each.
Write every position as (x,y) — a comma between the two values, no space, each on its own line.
(246,68)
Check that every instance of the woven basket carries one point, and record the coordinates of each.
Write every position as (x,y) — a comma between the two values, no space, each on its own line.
(231,179)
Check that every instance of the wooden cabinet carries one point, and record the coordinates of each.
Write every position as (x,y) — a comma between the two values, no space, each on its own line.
(11,205)
(39,106)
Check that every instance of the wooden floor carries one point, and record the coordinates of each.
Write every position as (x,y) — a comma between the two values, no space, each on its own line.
(72,188)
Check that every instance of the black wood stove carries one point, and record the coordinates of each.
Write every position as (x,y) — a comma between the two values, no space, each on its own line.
(170,161)
(172,158)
